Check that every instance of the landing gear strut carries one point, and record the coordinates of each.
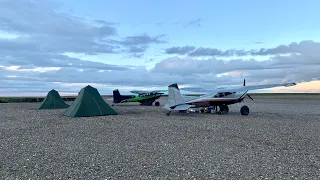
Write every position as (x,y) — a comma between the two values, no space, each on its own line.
(224,109)
(147,103)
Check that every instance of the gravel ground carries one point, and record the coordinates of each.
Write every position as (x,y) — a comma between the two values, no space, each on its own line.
(279,139)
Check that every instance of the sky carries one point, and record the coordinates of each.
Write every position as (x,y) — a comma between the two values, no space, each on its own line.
(148,45)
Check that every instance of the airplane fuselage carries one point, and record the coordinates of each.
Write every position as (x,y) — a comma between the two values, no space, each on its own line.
(217,99)
(144,98)
(141,98)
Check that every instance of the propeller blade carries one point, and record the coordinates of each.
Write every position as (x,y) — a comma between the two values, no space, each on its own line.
(249,97)
(244,82)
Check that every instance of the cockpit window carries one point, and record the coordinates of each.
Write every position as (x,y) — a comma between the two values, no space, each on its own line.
(219,95)
(228,93)
(222,94)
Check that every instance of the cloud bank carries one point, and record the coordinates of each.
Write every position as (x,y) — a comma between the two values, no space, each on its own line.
(303,47)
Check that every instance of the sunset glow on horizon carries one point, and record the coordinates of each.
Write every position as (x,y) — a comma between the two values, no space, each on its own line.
(303,87)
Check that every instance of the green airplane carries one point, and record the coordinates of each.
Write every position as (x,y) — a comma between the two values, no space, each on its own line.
(143,97)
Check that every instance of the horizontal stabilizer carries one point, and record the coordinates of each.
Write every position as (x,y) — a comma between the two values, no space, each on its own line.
(167,106)
(182,107)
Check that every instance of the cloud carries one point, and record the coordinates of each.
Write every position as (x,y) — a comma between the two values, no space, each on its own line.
(42,28)
(142,39)
(295,67)
(37,59)
(257,42)
(216,52)
(305,47)
(140,43)
(184,71)
(103,22)
(44,35)
(150,60)
(135,77)
(207,74)
(179,50)
(193,23)
(184,66)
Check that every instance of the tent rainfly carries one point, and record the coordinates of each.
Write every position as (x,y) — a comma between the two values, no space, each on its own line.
(89,103)
(53,101)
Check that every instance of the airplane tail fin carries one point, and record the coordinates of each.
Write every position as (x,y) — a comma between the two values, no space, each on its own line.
(116,96)
(174,95)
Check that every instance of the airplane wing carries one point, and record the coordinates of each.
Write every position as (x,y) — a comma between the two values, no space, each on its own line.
(157,91)
(188,98)
(241,88)
(265,86)
(195,89)
(201,90)
(146,92)
(138,92)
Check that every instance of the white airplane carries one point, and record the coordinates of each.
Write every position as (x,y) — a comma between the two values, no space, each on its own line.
(218,98)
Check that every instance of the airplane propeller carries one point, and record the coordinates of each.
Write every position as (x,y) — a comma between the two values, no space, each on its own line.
(244,84)
(250,97)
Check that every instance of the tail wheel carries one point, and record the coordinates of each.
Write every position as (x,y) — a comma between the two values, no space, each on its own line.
(244,110)
(157,104)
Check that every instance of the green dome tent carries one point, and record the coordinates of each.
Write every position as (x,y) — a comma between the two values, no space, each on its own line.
(89,103)
(53,101)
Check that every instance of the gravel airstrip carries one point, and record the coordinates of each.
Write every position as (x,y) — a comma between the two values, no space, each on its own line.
(279,139)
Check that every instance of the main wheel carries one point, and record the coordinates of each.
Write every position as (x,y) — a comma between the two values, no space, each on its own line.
(168,113)
(157,103)
(244,110)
